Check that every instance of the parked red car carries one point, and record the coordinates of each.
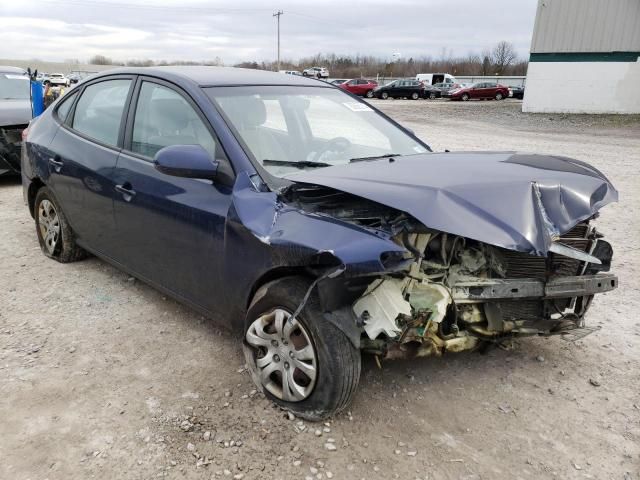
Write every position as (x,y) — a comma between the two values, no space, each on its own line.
(360,86)
(479,90)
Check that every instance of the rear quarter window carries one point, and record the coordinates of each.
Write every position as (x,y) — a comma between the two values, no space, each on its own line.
(65,106)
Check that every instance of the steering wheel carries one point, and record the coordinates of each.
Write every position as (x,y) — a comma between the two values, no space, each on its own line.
(337,145)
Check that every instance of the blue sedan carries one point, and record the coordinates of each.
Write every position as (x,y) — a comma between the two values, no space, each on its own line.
(311,222)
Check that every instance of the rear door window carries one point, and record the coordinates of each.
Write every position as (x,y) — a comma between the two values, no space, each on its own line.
(98,113)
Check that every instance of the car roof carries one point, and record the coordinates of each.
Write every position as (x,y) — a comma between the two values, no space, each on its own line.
(205,76)
(8,69)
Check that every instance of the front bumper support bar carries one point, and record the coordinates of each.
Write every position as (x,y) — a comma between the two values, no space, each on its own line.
(564,287)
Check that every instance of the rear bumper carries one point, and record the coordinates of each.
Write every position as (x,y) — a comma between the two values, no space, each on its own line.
(506,289)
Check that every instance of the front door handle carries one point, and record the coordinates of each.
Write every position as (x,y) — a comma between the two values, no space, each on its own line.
(56,163)
(127,192)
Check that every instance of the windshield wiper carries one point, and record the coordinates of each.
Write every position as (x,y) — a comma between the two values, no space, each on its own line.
(375,157)
(299,164)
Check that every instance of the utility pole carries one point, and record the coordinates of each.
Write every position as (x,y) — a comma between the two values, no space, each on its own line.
(277,15)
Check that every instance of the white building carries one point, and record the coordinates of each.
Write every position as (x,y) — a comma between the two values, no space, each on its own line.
(585,57)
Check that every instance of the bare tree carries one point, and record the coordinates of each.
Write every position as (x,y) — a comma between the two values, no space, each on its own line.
(100,60)
(503,56)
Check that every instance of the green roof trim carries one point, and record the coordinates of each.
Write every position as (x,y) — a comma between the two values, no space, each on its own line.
(585,57)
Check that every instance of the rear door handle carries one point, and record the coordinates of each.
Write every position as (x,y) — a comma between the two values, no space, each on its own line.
(56,163)
(127,192)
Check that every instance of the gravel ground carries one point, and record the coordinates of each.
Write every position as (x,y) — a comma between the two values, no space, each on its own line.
(103,377)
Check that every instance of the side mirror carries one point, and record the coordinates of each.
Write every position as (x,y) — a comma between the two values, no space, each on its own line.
(190,161)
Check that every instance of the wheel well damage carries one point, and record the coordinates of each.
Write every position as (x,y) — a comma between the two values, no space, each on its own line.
(339,244)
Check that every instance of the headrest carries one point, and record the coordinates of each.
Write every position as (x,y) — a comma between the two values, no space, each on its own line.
(246,112)
(169,114)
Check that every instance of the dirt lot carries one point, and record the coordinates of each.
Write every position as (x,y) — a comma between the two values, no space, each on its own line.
(103,377)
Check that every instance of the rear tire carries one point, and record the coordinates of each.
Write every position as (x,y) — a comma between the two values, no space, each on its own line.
(499,96)
(55,236)
(415,96)
(369,94)
(270,343)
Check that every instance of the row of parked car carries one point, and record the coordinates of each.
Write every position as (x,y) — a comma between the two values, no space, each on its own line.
(315,72)
(62,80)
(416,89)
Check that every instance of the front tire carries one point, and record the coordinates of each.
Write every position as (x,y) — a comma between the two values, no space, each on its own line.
(465,97)
(55,236)
(432,95)
(305,365)
(384,95)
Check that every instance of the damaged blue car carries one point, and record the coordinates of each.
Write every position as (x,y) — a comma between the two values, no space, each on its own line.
(313,223)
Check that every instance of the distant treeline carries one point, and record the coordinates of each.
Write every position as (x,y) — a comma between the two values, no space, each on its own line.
(500,60)
(102,60)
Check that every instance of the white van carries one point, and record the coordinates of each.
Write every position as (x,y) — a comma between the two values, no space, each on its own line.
(433,78)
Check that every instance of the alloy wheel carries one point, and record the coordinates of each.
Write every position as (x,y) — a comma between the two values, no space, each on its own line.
(282,356)
(49,224)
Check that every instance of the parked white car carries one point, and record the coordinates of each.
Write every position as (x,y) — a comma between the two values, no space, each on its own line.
(57,79)
(433,78)
(318,72)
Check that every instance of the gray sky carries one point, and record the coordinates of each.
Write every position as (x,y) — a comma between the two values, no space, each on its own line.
(245,29)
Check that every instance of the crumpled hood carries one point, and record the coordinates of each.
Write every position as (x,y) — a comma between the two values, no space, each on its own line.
(512,200)
(15,112)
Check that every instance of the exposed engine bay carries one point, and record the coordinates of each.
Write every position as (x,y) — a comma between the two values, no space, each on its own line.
(459,293)
(449,293)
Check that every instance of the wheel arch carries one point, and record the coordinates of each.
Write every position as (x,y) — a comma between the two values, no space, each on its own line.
(34,186)
(337,307)
(273,275)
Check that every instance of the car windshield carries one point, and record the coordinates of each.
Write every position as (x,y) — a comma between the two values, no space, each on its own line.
(289,128)
(14,87)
